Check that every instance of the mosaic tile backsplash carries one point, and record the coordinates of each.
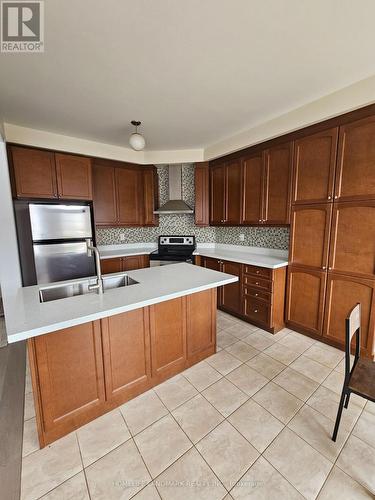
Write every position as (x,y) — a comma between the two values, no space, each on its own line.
(273,237)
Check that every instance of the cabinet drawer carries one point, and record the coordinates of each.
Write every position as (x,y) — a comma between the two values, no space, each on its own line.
(263,272)
(255,293)
(257,310)
(255,282)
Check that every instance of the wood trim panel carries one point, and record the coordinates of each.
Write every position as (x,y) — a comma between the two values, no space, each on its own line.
(201,327)
(202,194)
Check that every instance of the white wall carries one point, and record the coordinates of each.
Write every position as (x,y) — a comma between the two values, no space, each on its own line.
(10,273)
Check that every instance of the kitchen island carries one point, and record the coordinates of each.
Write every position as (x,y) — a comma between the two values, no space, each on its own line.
(91,353)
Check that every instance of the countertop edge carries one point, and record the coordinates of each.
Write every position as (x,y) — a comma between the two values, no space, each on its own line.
(249,261)
(16,337)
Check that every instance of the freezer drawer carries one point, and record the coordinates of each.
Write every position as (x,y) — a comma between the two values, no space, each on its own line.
(62,261)
(57,222)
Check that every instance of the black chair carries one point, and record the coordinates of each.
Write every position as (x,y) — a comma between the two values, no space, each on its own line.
(360,378)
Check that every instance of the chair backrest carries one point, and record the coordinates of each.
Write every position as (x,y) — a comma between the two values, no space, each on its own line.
(353,326)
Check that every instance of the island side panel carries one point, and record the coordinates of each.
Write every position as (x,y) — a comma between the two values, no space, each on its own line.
(82,372)
(68,379)
(201,325)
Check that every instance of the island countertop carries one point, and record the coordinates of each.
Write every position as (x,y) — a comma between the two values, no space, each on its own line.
(27,317)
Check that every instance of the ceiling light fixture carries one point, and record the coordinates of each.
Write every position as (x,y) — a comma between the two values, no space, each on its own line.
(137,141)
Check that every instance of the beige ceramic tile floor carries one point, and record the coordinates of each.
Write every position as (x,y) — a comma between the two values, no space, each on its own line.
(254,421)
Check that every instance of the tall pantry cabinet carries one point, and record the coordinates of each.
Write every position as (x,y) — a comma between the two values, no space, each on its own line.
(332,243)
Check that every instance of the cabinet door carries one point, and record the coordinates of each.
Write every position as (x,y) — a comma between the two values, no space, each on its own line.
(104,191)
(309,238)
(252,189)
(210,263)
(343,293)
(111,265)
(202,194)
(69,371)
(126,350)
(74,179)
(34,173)
(277,181)
(231,294)
(150,187)
(355,173)
(305,299)
(352,248)
(168,338)
(217,213)
(129,196)
(314,167)
(132,262)
(233,191)
(201,325)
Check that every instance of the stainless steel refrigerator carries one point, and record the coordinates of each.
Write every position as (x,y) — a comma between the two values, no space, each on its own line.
(52,241)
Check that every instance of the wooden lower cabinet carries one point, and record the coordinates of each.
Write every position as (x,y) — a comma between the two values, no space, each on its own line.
(68,379)
(168,337)
(121,264)
(201,325)
(126,354)
(82,372)
(343,293)
(305,299)
(231,295)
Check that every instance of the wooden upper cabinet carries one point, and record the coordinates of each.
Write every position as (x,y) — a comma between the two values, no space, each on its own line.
(309,238)
(34,173)
(129,196)
(233,201)
(126,351)
(355,173)
(201,324)
(104,194)
(352,249)
(314,167)
(74,178)
(202,194)
(70,378)
(343,293)
(277,184)
(305,299)
(217,183)
(168,338)
(252,185)
(231,295)
(150,192)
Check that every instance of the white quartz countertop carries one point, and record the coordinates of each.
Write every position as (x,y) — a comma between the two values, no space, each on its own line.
(26,317)
(247,255)
(113,251)
(256,256)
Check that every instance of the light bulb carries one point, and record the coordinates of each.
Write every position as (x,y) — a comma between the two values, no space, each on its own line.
(137,141)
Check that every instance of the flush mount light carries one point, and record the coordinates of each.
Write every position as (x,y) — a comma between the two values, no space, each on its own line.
(136,140)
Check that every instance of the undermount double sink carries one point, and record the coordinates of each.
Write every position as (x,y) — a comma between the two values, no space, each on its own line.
(81,287)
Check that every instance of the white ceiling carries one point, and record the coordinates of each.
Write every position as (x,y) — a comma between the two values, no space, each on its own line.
(195,71)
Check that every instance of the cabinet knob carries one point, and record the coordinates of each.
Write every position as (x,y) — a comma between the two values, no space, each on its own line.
(329,197)
(336,197)
(330,268)
(257,282)
(255,310)
(324,267)
(256,295)
(258,272)
(260,220)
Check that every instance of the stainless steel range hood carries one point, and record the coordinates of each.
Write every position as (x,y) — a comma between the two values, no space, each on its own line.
(176,204)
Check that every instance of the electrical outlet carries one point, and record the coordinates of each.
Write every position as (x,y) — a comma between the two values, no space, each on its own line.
(241,237)
(122,237)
